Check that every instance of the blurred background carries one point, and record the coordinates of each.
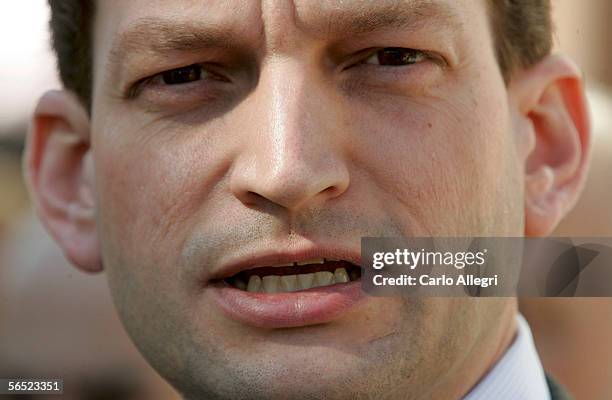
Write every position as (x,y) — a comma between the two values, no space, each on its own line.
(56,322)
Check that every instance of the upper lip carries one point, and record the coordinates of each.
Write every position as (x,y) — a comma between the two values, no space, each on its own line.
(273,257)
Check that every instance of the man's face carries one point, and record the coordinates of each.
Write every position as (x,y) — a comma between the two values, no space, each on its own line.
(304,126)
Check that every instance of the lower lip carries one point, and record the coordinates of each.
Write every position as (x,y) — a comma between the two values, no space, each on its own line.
(288,310)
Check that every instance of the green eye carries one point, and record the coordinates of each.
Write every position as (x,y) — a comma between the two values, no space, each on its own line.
(396,56)
(182,75)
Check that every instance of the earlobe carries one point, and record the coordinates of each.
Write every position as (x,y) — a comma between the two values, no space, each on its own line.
(56,168)
(550,100)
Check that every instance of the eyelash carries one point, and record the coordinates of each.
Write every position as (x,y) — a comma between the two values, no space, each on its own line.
(405,56)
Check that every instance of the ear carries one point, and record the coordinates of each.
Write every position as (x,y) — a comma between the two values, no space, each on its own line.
(58,169)
(553,126)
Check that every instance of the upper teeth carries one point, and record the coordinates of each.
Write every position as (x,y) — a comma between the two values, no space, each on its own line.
(313,261)
(292,283)
(296,263)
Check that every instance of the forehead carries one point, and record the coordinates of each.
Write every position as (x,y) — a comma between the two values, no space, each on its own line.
(274,20)
(256,11)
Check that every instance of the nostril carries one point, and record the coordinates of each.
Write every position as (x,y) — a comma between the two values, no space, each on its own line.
(332,191)
(257,201)
(255,197)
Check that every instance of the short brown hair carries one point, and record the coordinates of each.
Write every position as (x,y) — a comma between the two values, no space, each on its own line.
(71,36)
(522,31)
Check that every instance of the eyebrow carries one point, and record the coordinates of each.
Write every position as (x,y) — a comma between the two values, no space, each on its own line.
(382,15)
(166,36)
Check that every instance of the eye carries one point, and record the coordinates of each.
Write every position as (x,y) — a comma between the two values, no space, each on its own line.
(396,57)
(187,81)
(179,76)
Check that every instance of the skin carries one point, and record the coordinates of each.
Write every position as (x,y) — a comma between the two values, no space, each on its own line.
(296,139)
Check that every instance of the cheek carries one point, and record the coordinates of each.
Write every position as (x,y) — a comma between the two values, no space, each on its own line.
(151,185)
(441,159)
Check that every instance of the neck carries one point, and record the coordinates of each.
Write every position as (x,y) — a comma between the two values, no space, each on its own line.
(484,354)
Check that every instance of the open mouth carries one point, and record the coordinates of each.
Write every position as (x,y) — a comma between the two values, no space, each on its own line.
(296,276)
(289,289)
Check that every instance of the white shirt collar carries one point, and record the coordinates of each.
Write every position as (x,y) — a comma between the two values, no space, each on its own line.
(517,375)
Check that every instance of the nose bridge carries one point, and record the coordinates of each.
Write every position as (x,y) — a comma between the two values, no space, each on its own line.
(292,130)
(294,154)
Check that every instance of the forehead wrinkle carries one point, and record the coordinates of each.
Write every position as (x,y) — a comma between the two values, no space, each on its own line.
(362,17)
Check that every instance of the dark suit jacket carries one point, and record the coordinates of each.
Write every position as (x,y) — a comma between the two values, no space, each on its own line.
(556,390)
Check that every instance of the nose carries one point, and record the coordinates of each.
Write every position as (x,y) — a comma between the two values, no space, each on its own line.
(294,148)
